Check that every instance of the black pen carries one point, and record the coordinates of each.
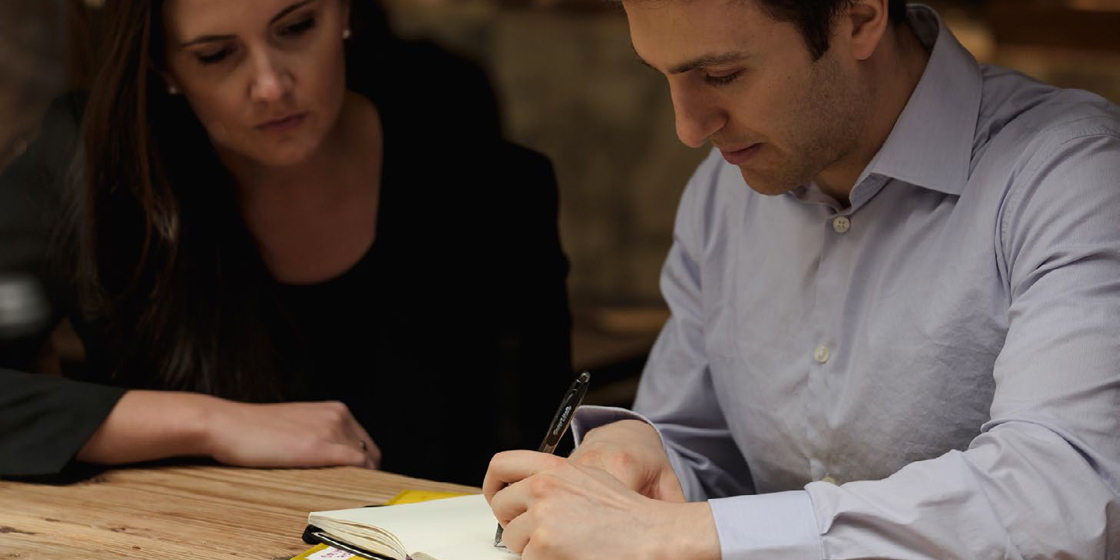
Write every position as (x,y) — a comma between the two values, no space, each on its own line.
(559,425)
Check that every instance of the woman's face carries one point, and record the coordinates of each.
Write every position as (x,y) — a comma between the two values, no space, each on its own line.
(265,77)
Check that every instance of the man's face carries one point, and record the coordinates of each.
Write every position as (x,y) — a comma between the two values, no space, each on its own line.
(748,84)
(265,77)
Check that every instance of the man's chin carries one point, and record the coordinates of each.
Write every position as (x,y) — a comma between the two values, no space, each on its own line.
(764,185)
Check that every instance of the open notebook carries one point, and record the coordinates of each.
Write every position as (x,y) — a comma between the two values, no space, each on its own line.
(460,528)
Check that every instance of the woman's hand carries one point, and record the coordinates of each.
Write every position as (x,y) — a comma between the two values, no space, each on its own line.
(301,434)
(149,425)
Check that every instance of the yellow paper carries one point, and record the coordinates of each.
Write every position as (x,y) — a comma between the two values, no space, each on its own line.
(414,496)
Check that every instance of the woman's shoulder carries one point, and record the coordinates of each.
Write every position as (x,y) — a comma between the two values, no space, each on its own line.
(421,86)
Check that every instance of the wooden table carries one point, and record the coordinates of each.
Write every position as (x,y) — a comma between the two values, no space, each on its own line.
(196,512)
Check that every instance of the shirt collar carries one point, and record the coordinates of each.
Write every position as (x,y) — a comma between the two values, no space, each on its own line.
(931,143)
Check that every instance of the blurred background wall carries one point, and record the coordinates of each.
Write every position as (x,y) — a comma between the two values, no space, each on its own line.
(33,67)
(570,87)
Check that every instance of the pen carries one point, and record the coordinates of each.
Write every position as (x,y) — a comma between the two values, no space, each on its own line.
(559,425)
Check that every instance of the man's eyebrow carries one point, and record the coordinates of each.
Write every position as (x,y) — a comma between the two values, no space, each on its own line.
(208,38)
(698,62)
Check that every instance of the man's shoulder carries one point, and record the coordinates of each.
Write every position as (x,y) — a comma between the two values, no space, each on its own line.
(1025,119)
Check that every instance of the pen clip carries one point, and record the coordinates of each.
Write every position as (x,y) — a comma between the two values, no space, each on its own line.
(564,413)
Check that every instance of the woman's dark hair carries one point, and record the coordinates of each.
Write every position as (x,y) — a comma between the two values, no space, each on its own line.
(179,285)
(814,18)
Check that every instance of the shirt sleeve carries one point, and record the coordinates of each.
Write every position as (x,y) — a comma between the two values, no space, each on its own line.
(45,420)
(676,392)
(781,521)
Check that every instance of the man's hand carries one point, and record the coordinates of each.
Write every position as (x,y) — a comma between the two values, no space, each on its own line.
(554,509)
(149,425)
(631,451)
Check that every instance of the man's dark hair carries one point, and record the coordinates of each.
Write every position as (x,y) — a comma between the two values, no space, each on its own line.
(815,17)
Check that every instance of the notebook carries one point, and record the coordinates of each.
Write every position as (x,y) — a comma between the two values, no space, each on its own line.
(459,528)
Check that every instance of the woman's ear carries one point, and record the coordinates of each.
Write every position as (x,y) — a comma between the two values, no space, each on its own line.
(172,85)
(346,18)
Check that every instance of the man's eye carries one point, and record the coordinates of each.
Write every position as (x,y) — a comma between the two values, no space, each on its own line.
(722,80)
(214,57)
(299,27)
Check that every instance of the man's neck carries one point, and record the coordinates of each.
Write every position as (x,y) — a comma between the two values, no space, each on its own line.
(894,72)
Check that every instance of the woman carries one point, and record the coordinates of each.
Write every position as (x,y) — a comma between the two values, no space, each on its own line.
(285,204)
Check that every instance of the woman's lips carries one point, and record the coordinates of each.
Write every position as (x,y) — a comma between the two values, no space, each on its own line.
(282,124)
(740,156)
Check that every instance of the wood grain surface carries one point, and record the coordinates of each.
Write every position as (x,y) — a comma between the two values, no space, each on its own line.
(196,512)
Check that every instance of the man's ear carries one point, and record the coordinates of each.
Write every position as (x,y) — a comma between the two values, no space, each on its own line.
(864,22)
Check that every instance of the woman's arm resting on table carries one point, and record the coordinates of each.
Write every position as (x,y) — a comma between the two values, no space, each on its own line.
(148,425)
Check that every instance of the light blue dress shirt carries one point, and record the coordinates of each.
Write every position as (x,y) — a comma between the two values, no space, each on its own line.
(933,372)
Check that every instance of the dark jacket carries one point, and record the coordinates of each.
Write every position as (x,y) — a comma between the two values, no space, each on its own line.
(449,340)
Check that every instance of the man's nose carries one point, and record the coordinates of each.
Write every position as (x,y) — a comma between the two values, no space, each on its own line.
(697,116)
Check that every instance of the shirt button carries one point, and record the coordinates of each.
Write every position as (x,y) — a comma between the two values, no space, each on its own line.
(821,354)
(841,224)
(828,479)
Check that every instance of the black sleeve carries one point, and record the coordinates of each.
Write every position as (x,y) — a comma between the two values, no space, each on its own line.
(45,420)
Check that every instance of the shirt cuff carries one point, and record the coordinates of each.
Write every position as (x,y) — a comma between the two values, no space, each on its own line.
(778,526)
(589,417)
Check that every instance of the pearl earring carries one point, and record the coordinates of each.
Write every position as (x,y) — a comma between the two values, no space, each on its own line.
(346,34)
(172,90)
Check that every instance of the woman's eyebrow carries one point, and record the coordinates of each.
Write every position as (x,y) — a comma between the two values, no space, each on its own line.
(209,38)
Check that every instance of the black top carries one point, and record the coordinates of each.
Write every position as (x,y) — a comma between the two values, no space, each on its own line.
(449,339)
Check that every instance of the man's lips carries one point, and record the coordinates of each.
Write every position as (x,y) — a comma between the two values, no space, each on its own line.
(739,156)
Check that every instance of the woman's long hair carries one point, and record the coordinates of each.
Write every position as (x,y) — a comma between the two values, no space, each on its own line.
(179,286)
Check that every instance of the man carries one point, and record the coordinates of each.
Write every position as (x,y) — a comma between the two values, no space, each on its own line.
(895,296)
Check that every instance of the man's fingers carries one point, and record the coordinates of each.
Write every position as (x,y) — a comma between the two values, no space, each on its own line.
(515,536)
(510,502)
(508,467)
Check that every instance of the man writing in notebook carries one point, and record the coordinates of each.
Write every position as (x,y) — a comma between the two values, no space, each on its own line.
(895,296)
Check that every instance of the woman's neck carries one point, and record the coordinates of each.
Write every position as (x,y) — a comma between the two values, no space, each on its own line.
(326,171)
(315,220)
